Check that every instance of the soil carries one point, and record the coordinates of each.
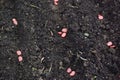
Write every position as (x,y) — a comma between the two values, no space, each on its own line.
(46,55)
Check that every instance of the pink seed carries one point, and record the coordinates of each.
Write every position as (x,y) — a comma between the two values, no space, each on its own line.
(20,58)
(64,30)
(72,73)
(69,70)
(15,21)
(63,35)
(112,46)
(109,43)
(18,52)
(60,33)
(100,17)
(56,2)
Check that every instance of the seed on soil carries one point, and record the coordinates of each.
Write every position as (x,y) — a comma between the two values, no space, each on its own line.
(19,52)
(15,21)
(63,35)
(112,46)
(56,2)
(20,58)
(100,17)
(109,43)
(64,30)
(72,73)
(60,33)
(69,70)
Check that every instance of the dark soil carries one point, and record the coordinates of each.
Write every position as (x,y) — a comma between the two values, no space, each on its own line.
(46,56)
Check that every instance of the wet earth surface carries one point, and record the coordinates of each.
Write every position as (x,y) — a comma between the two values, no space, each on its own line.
(34,46)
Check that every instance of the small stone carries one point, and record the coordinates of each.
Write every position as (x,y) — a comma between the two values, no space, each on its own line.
(86,34)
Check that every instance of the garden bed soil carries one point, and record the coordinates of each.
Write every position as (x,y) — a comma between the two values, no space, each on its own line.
(91,24)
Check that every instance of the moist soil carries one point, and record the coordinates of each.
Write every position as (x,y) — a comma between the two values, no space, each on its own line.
(46,55)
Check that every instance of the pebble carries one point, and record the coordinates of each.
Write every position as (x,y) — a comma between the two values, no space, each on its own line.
(86,34)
